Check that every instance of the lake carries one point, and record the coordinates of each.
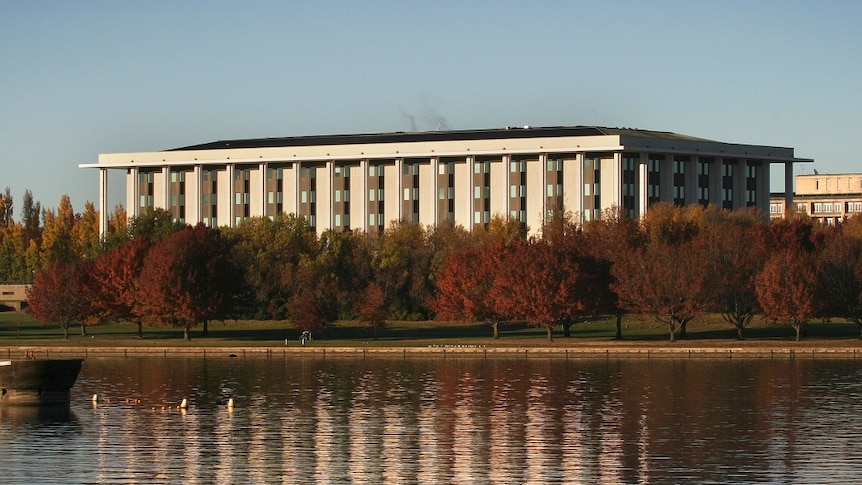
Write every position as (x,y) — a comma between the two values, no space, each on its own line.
(383,419)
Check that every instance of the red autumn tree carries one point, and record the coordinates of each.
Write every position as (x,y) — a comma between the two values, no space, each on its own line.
(787,289)
(61,294)
(665,281)
(464,285)
(839,266)
(607,240)
(545,284)
(734,255)
(188,278)
(372,308)
(115,278)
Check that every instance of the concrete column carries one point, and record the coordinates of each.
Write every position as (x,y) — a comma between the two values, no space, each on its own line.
(543,163)
(231,196)
(134,208)
(739,192)
(642,184)
(166,191)
(196,181)
(363,199)
(691,176)
(399,169)
(471,199)
(262,168)
(617,196)
(330,174)
(788,186)
(103,202)
(435,170)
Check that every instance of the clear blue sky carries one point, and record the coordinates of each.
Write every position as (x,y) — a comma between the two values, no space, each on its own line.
(82,78)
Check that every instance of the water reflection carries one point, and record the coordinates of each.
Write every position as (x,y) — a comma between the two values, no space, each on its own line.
(435,420)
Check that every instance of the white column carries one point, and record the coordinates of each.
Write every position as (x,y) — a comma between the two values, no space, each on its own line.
(103,201)
(642,184)
(262,168)
(166,175)
(134,208)
(363,204)
(330,170)
(788,186)
(196,180)
(617,184)
(231,195)
(471,199)
(399,168)
(435,169)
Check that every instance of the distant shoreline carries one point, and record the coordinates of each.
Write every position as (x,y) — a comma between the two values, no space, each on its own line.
(812,350)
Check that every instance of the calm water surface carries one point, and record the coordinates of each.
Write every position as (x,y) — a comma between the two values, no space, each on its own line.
(453,420)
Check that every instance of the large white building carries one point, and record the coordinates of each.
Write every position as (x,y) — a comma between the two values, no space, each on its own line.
(364,181)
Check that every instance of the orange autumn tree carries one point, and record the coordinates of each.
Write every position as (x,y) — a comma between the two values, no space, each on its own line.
(464,285)
(787,289)
(188,278)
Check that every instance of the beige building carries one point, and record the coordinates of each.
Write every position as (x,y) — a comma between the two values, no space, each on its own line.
(827,198)
(364,181)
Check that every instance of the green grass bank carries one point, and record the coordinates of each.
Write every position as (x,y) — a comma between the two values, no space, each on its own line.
(709,336)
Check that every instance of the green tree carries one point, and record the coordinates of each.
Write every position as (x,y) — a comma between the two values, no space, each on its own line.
(31,213)
(270,251)
(402,264)
(156,224)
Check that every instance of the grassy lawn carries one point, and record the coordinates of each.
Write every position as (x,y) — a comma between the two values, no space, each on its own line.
(20,330)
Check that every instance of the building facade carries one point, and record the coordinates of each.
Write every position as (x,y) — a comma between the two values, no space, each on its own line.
(363,182)
(828,198)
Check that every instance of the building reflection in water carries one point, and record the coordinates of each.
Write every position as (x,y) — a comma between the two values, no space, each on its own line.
(453,420)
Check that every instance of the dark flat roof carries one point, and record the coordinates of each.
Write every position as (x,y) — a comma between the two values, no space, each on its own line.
(425,136)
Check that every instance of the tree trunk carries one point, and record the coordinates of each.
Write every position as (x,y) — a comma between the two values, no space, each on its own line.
(65,332)
(682,333)
(567,329)
(187,334)
(206,328)
(619,335)
(798,329)
(550,330)
(494,325)
(140,329)
(83,330)
(740,332)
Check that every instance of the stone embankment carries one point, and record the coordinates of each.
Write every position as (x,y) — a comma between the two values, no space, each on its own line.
(443,351)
